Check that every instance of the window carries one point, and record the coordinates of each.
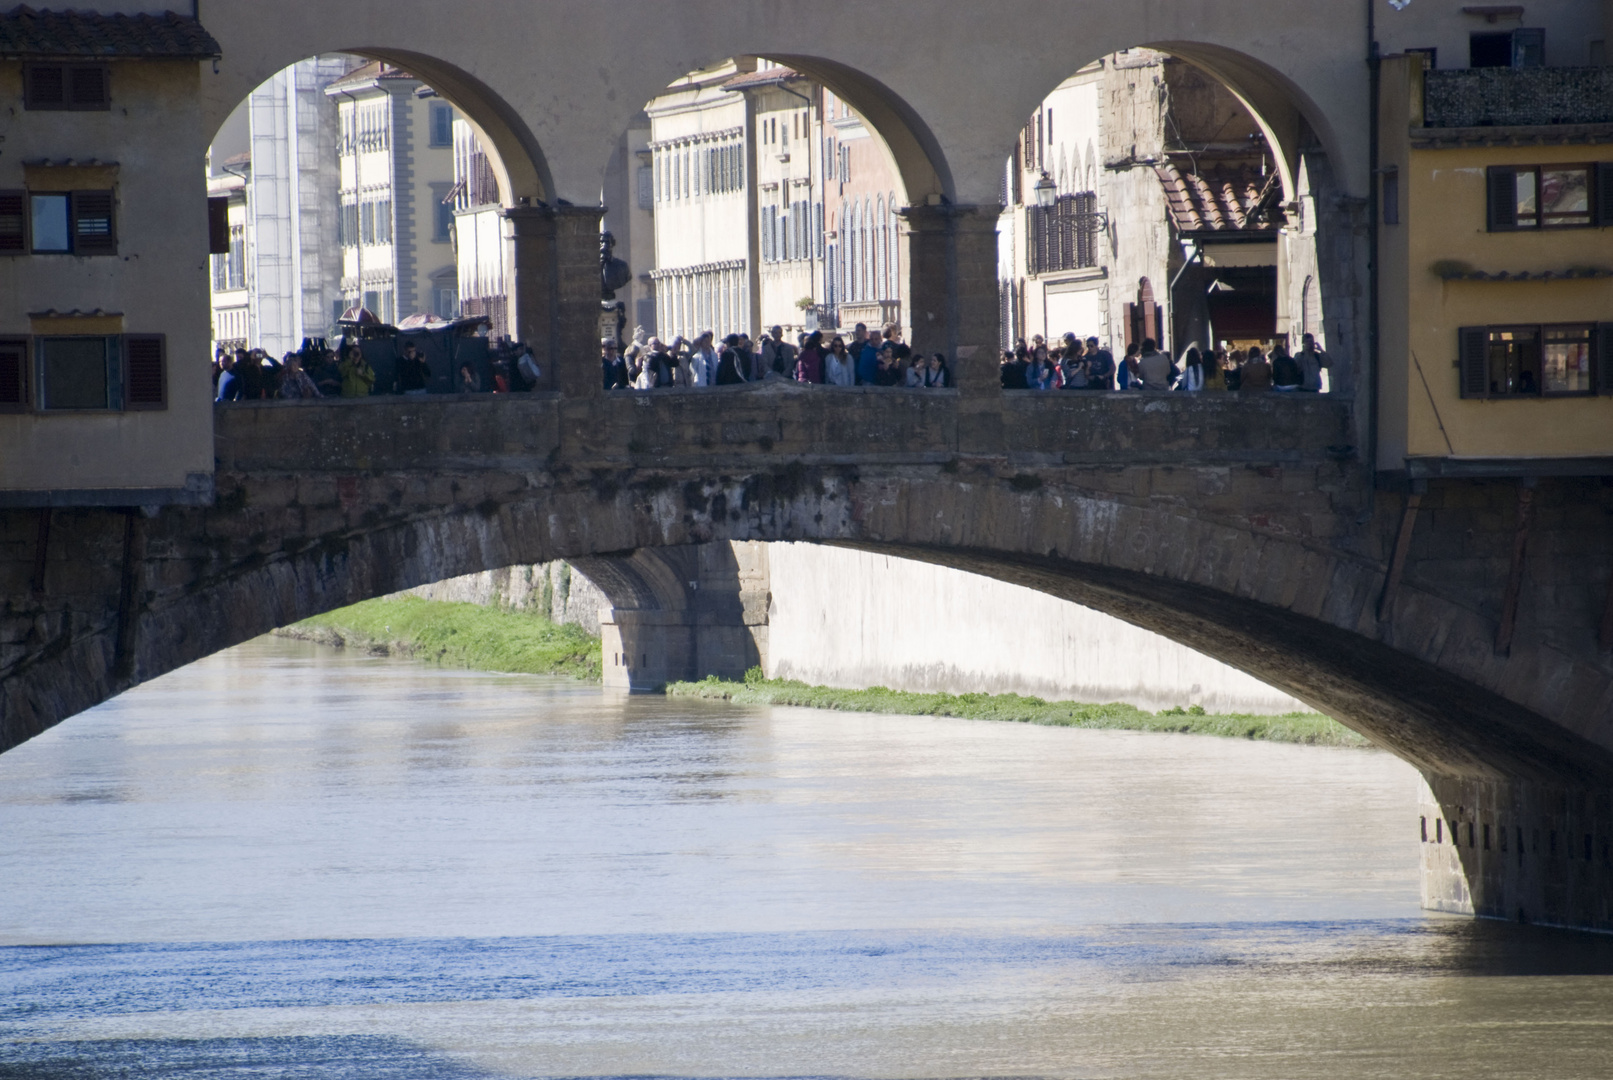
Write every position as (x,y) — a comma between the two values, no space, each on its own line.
(145,380)
(347,223)
(446,300)
(78,372)
(1516,49)
(1064,236)
(646,188)
(69,87)
(218,226)
(229,269)
(442,124)
(51,217)
(13,375)
(442,213)
(1549,196)
(57,223)
(1534,361)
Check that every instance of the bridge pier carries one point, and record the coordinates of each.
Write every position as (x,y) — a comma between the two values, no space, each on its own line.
(682,613)
(553,274)
(952,260)
(1518,850)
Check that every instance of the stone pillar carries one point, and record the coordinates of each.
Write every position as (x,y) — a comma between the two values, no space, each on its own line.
(682,612)
(552,273)
(1518,850)
(952,263)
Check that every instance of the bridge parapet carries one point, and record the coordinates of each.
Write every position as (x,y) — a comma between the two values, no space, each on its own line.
(777,422)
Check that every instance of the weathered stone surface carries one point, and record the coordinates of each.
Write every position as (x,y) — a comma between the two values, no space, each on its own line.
(1238,526)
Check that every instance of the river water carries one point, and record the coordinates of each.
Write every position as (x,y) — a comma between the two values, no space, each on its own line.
(286,861)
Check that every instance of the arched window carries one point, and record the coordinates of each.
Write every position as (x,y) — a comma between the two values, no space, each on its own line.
(1310,310)
(880,249)
(865,271)
(894,221)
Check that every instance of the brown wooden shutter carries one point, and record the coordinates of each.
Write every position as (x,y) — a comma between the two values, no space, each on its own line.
(13,222)
(1603,358)
(145,375)
(1474,345)
(88,87)
(44,86)
(1604,193)
(93,232)
(218,226)
(1503,198)
(13,375)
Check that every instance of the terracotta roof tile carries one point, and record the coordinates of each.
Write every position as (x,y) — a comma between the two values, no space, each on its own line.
(1219,200)
(25,32)
(764,77)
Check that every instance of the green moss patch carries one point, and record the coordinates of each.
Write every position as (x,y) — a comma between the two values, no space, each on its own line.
(457,635)
(1312,728)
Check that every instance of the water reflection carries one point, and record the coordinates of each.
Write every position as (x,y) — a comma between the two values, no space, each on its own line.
(296,861)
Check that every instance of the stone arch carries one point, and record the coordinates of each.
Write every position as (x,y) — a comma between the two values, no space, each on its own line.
(518,161)
(915,152)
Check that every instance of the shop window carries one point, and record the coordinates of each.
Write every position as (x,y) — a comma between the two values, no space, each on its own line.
(67,87)
(1549,196)
(1536,361)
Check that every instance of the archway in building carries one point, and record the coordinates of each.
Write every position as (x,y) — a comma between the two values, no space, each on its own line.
(365,187)
(767,191)
(1179,193)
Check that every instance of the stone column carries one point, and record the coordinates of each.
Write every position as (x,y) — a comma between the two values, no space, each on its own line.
(552,273)
(952,263)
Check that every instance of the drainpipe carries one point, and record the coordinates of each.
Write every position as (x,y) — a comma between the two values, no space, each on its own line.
(1374,70)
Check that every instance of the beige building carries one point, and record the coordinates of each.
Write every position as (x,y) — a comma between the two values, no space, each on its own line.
(104,328)
(396,160)
(776,204)
(702,166)
(1495,206)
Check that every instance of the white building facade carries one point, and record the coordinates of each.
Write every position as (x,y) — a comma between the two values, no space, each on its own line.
(275,161)
(395,155)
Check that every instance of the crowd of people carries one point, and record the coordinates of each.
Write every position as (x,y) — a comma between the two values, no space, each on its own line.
(1071,364)
(318,371)
(869,358)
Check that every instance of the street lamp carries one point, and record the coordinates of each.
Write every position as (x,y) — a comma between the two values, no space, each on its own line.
(1046,192)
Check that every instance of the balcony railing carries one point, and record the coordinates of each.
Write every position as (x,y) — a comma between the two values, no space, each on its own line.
(1517,97)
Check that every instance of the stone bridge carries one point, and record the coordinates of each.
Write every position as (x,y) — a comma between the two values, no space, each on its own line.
(1456,626)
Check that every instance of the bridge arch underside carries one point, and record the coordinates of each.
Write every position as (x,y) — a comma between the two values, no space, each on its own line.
(127,598)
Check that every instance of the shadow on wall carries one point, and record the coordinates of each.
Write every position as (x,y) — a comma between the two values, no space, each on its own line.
(853,619)
(838,617)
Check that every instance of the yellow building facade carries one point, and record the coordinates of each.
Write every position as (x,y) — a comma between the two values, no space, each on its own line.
(1495,195)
